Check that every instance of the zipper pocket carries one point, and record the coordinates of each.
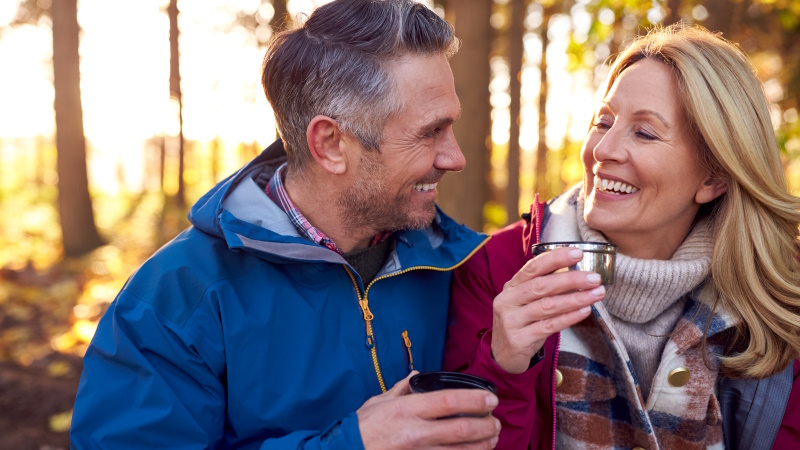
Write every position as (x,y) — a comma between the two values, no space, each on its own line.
(407,343)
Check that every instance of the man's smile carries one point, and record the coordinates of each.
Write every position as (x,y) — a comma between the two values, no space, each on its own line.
(425,187)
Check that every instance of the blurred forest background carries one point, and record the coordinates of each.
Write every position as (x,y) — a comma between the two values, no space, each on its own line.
(115,116)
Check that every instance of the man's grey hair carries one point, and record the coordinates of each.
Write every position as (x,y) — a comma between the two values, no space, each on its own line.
(336,65)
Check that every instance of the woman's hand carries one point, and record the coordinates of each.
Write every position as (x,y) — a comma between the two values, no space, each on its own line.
(536,303)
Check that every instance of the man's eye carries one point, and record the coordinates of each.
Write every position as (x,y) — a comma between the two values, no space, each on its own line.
(433,133)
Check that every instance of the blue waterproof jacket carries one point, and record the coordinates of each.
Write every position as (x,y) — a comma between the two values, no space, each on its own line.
(240,333)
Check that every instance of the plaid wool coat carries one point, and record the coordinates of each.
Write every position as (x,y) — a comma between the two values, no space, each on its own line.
(599,404)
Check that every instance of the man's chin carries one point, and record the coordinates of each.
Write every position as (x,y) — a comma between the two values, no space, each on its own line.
(418,225)
(422,220)
(400,217)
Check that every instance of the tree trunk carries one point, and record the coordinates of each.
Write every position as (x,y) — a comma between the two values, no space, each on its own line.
(175,93)
(515,54)
(540,178)
(673,16)
(78,229)
(617,36)
(162,161)
(464,195)
(40,161)
(215,160)
(281,17)
(719,16)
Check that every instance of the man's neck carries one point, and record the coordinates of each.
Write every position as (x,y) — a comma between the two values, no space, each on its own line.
(318,202)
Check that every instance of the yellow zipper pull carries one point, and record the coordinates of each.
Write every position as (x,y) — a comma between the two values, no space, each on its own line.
(407,342)
(368,316)
(364,304)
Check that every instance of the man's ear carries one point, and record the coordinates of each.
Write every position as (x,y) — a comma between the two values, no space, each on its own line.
(711,188)
(324,142)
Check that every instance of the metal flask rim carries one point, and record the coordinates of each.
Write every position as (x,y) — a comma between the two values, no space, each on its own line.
(587,246)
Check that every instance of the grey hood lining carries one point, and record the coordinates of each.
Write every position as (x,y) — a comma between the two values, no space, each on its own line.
(248,202)
(292,250)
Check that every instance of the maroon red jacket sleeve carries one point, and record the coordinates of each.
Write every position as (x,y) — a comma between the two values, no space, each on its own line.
(789,433)
(525,409)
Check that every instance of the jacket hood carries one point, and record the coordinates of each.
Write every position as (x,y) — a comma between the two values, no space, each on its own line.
(205,214)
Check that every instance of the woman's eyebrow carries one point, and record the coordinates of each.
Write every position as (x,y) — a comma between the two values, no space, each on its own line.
(640,112)
(650,112)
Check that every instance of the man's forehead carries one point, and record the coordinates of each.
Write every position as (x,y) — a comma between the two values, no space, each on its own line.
(417,71)
(425,87)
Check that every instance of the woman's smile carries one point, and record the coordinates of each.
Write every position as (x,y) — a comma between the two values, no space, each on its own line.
(614,187)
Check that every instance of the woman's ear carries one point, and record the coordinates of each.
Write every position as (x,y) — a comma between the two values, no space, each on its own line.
(711,188)
(323,137)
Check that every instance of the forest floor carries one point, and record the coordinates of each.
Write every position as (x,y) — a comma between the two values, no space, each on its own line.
(36,405)
(50,306)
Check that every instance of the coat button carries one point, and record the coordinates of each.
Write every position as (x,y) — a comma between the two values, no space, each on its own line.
(559,378)
(679,377)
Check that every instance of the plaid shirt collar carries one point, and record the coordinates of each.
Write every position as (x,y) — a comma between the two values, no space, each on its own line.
(277,192)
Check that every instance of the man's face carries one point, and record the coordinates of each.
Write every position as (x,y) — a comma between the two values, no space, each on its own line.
(395,188)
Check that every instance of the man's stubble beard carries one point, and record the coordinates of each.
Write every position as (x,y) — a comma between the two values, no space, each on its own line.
(367,203)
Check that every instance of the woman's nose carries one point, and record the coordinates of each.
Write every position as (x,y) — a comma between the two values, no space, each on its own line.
(612,146)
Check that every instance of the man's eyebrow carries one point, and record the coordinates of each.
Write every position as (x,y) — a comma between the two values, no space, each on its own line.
(642,112)
(441,122)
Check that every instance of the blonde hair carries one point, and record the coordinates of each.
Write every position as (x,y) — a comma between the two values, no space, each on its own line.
(754,266)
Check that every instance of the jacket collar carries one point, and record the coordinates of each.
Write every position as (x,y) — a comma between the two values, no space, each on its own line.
(238,211)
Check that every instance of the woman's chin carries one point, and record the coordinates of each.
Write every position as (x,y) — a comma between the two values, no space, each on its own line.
(603,221)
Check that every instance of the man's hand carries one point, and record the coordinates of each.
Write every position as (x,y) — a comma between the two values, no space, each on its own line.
(396,420)
(537,303)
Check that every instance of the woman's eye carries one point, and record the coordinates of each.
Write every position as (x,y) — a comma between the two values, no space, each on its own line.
(646,136)
(600,125)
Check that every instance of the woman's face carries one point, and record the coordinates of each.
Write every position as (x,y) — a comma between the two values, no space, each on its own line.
(642,176)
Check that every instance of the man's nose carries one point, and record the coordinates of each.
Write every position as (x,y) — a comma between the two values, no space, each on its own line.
(449,156)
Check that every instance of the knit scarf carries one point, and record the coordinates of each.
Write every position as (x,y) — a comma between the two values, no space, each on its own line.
(661,282)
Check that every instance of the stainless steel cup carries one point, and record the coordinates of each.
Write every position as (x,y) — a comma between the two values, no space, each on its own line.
(597,257)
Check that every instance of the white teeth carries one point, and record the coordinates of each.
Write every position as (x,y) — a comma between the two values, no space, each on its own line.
(425,187)
(614,187)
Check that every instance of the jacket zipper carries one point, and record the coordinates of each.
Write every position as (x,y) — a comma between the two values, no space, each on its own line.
(538,229)
(539,218)
(407,343)
(553,386)
(363,303)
